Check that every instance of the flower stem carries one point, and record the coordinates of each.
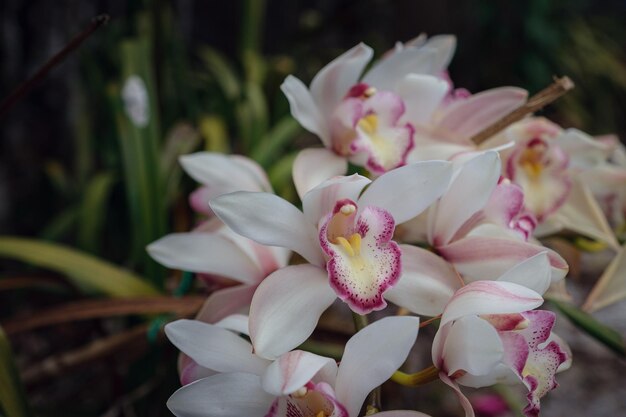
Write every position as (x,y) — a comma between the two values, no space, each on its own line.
(559,87)
(422,377)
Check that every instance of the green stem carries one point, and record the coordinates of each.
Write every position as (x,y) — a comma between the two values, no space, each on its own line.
(422,377)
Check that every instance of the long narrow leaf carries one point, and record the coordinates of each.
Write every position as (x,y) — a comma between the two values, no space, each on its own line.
(83,269)
(12,397)
(273,144)
(93,210)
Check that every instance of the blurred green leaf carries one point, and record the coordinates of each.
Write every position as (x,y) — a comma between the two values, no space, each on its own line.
(587,323)
(182,139)
(222,70)
(60,225)
(273,144)
(215,133)
(280,177)
(93,211)
(12,396)
(259,119)
(83,269)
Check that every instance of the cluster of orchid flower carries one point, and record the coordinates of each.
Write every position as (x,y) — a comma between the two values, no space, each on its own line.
(442,228)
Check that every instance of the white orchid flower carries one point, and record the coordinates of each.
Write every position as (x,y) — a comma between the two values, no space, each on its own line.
(549,164)
(488,334)
(369,120)
(343,234)
(297,383)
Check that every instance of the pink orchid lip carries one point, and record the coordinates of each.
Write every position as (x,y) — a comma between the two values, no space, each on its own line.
(310,400)
(363,262)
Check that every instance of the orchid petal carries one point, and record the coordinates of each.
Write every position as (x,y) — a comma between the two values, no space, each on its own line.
(407,191)
(314,166)
(286,307)
(205,252)
(472,345)
(223,395)
(235,322)
(465,403)
(386,72)
(469,192)
(427,282)
(371,356)
(293,370)
(270,220)
(422,94)
(444,45)
(235,173)
(304,109)
(401,413)
(214,347)
(490,297)
(611,287)
(533,273)
(189,371)
(332,83)
(486,258)
(465,118)
(321,200)
(225,302)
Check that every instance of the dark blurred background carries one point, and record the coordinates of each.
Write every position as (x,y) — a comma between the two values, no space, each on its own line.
(217,66)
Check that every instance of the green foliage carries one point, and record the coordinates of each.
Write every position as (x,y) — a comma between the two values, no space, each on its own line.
(12,397)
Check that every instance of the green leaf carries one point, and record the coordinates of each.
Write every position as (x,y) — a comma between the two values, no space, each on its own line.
(587,323)
(12,396)
(93,210)
(222,70)
(81,268)
(272,145)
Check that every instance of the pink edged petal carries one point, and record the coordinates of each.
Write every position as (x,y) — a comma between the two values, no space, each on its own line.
(199,199)
(225,302)
(487,258)
(469,192)
(407,191)
(401,413)
(361,272)
(205,252)
(472,345)
(381,149)
(385,74)
(304,109)
(313,166)
(490,297)
(505,203)
(321,200)
(371,356)
(422,94)
(465,403)
(189,371)
(318,398)
(286,307)
(270,220)
(230,172)
(223,395)
(582,214)
(293,370)
(534,273)
(427,282)
(465,118)
(214,348)
(585,152)
(332,83)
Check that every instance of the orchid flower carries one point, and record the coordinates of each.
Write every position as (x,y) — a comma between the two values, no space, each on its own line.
(297,383)
(343,234)
(547,162)
(369,120)
(480,224)
(489,333)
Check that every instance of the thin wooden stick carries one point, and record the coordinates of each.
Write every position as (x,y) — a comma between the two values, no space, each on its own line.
(558,88)
(27,85)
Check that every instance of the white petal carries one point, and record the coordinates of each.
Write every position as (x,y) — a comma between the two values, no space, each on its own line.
(445,45)
(490,297)
(293,370)
(533,273)
(407,191)
(371,356)
(427,282)
(286,307)
(422,94)
(270,220)
(472,345)
(465,403)
(321,200)
(223,395)
(214,347)
(332,83)
(235,322)
(304,109)
(314,166)
(385,74)
(234,173)
(611,287)
(401,413)
(469,192)
(205,252)
(225,302)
